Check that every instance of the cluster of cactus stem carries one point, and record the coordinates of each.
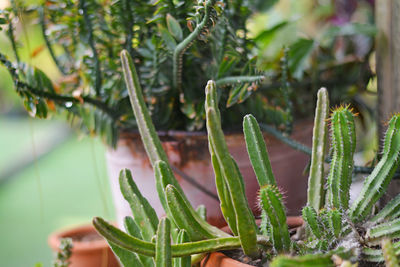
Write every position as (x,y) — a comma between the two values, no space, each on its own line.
(335,232)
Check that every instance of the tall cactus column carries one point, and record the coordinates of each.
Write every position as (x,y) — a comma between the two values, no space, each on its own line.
(388,66)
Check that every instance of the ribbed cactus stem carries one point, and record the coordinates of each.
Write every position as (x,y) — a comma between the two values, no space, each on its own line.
(144,214)
(311,218)
(390,211)
(257,151)
(316,180)
(245,222)
(389,253)
(148,133)
(133,244)
(388,229)
(343,143)
(271,203)
(377,182)
(335,222)
(183,237)
(163,244)
(183,216)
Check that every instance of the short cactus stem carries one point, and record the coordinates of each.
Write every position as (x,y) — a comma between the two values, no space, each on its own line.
(377,182)
(389,229)
(311,218)
(316,180)
(341,170)
(183,237)
(271,203)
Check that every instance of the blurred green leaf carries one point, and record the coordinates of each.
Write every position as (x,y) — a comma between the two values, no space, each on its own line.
(298,55)
(265,37)
(167,38)
(174,28)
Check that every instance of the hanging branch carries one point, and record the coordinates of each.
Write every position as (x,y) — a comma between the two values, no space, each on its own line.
(88,22)
(23,87)
(186,43)
(238,79)
(47,41)
(10,33)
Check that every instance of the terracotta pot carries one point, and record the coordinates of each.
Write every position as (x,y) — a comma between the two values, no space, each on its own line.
(188,152)
(218,259)
(94,252)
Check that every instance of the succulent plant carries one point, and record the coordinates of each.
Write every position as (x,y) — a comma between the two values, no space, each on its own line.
(337,232)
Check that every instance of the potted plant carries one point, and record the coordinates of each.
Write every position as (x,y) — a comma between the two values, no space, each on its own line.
(335,232)
(81,247)
(178,46)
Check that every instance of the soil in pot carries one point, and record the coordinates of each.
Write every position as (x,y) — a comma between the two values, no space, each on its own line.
(89,248)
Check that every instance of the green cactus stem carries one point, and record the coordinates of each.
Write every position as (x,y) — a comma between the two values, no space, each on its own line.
(257,151)
(316,180)
(144,214)
(335,222)
(246,227)
(376,183)
(238,79)
(147,130)
(183,237)
(163,244)
(389,212)
(389,229)
(271,203)
(183,217)
(343,144)
(389,253)
(123,240)
(311,218)
(133,229)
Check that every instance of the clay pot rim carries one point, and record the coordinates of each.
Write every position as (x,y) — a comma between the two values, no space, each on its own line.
(78,246)
(218,259)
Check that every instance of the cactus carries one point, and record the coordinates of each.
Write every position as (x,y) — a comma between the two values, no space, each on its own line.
(271,203)
(335,236)
(376,183)
(163,244)
(344,144)
(389,253)
(316,180)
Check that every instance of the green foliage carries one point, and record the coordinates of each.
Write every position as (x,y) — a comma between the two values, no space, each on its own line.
(177,45)
(335,233)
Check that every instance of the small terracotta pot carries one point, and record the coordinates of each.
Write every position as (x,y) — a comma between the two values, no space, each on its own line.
(94,252)
(218,259)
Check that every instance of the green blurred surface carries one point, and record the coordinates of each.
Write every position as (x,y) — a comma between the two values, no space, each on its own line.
(66,187)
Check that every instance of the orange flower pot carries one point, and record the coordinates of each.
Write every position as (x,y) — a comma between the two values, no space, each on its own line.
(89,248)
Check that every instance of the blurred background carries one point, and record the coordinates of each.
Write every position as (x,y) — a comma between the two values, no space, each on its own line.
(53,177)
(50,176)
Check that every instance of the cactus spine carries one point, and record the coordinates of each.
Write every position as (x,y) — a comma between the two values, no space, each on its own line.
(316,181)
(376,183)
(343,144)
